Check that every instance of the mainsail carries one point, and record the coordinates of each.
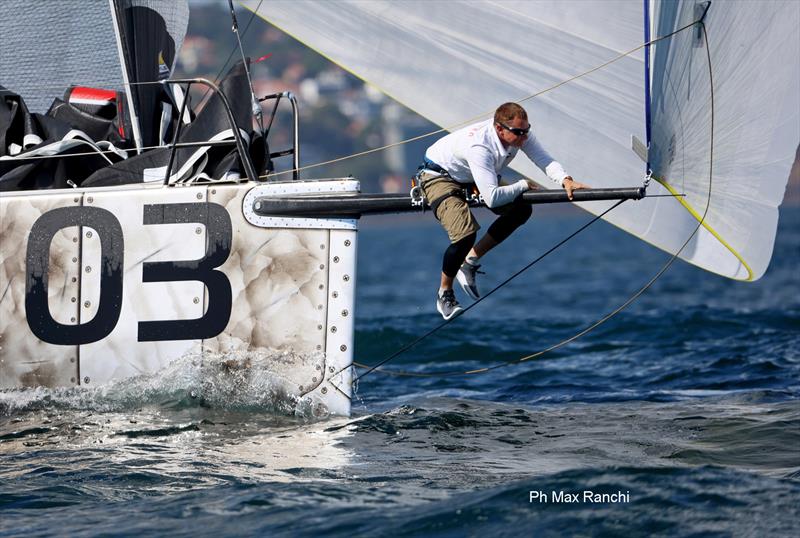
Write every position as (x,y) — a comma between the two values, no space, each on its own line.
(45,51)
(578,67)
(118,44)
(150,34)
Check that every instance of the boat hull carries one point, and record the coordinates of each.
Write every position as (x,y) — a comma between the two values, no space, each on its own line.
(102,285)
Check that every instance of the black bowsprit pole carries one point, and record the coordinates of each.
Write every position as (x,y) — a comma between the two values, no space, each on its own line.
(356,205)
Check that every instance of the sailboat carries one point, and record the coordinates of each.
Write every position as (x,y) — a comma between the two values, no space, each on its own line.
(136,229)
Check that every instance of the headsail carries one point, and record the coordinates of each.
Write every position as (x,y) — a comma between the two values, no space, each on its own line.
(753,48)
(453,62)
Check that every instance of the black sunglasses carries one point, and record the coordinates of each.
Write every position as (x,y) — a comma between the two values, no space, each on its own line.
(516,131)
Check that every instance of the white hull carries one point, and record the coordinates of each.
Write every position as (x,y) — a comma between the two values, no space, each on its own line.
(139,276)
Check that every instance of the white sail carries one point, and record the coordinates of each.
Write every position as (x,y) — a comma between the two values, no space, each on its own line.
(455,61)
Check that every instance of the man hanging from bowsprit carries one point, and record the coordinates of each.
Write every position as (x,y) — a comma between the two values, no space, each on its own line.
(478,154)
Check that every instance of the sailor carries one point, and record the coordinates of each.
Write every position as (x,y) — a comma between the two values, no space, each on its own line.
(477,154)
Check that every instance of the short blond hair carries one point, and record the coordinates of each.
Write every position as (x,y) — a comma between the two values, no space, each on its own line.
(508,111)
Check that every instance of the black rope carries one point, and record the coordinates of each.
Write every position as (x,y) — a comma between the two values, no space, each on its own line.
(470,307)
(603,319)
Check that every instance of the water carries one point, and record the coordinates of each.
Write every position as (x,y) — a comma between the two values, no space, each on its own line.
(685,406)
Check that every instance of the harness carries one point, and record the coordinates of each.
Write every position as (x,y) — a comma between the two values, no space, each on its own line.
(467,191)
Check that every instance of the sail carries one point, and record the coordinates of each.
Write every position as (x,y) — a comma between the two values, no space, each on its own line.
(150,35)
(570,63)
(45,51)
(755,101)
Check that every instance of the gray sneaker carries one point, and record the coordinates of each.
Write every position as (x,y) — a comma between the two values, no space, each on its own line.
(447,305)
(466,277)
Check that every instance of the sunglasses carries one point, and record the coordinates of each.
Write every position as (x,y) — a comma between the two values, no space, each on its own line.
(516,131)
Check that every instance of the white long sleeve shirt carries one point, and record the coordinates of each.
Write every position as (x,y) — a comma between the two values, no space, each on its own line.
(475,154)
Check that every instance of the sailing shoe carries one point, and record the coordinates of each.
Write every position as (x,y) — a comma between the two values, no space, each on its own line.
(447,305)
(466,277)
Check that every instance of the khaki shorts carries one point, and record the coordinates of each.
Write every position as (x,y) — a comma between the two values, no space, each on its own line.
(453,213)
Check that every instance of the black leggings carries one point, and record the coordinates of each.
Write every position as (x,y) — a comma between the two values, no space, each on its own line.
(455,254)
(512,216)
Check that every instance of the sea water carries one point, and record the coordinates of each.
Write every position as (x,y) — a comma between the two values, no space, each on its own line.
(679,416)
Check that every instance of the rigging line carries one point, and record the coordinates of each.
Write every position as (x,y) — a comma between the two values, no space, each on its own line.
(21,156)
(254,105)
(626,303)
(230,56)
(425,135)
(506,281)
(485,114)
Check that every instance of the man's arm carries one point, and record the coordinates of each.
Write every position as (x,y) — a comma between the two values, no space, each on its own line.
(485,177)
(536,153)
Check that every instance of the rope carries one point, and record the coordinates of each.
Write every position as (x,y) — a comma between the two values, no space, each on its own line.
(600,321)
(466,122)
(477,117)
(470,307)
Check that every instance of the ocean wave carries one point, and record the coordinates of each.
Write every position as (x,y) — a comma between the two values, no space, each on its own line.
(233,381)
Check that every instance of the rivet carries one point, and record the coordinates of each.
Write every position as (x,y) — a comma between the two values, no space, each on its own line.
(76,200)
(322,286)
(324,390)
(322,266)
(74,239)
(318,367)
(73,299)
(322,247)
(319,307)
(343,348)
(74,279)
(319,327)
(331,369)
(319,347)
(72,380)
(313,379)
(333,329)
(198,230)
(88,268)
(196,300)
(86,379)
(336,259)
(213,191)
(90,200)
(300,388)
(87,304)
(72,319)
(347,242)
(199,195)
(335,294)
(74,260)
(346,278)
(344,313)
(88,234)
(72,359)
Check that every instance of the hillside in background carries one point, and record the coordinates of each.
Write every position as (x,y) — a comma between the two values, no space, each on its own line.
(339,114)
